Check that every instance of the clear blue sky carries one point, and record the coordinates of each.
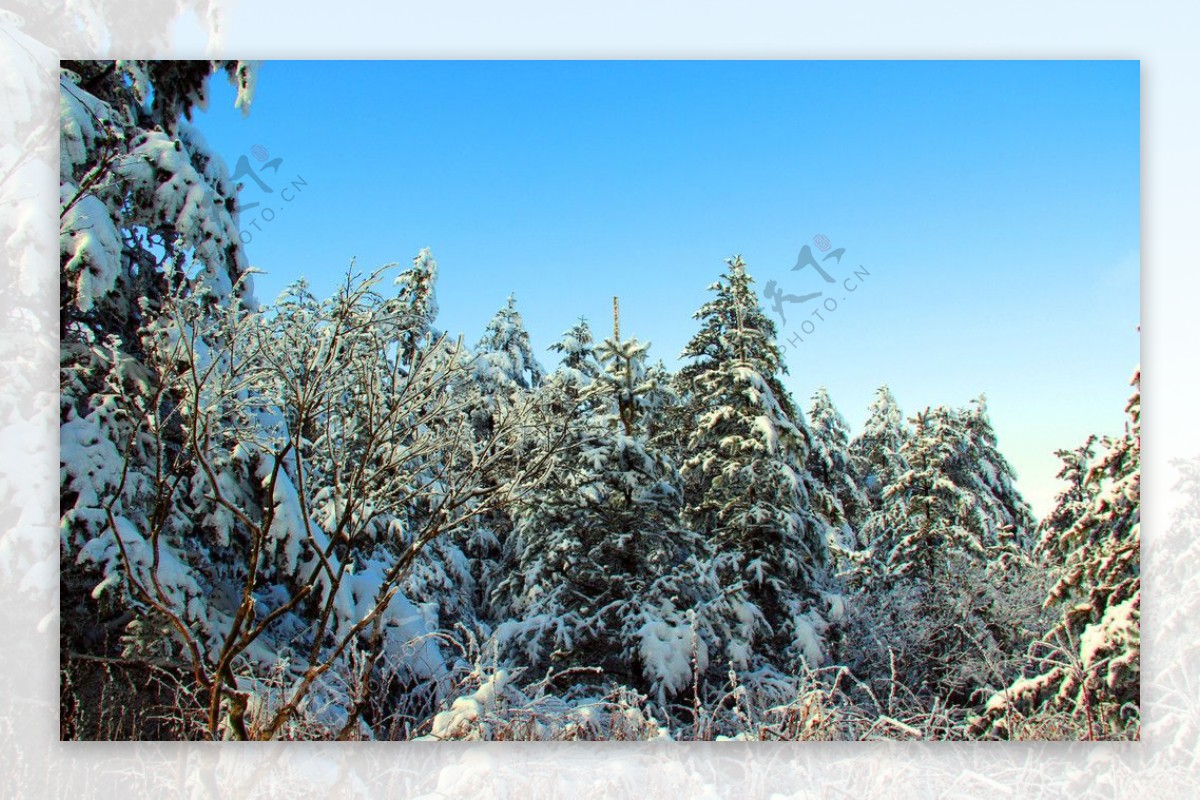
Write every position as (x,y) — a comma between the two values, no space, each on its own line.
(994,204)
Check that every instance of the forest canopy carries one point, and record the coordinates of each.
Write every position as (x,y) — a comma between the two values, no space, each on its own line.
(322,517)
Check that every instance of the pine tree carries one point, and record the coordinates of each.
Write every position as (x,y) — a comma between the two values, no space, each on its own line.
(504,360)
(1087,669)
(595,569)
(506,379)
(934,591)
(830,464)
(925,515)
(144,200)
(982,470)
(417,296)
(876,452)
(578,348)
(1071,503)
(746,487)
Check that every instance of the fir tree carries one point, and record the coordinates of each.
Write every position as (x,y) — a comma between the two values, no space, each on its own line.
(876,452)
(144,200)
(596,568)
(506,377)
(578,348)
(504,360)
(747,489)
(830,464)
(417,298)
(1071,503)
(925,514)
(983,471)
(947,604)
(1088,667)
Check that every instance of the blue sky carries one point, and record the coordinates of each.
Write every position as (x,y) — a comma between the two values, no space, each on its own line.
(995,206)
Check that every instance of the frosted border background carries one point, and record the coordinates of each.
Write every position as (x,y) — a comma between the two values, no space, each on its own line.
(37,34)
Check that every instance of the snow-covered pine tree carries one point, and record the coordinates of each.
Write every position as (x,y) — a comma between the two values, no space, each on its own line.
(504,360)
(569,390)
(746,487)
(505,374)
(1085,676)
(876,451)
(492,549)
(506,379)
(830,464)
(935,596)
(1070,504)
(146,210)
(579,366)
(983,471)
(925,515)
(602,576)
(140,189)
(417,297)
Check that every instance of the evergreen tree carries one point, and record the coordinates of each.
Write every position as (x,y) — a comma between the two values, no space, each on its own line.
(601,574)
(983,471)
(746,486)
(579,366)
(506,377)
(935,594)
(143,197)
(925,515)
(1087,669)
(1070,504)
(504,360)
(876,452)
(830,464)
(565,394)
(417,297)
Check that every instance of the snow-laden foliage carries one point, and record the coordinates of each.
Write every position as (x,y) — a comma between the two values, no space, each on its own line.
(830,464)
(747,490)
(983,471)
(281,489)
(322,517)
(504,358)
(1071,503)
(941,576)
(1088,665)
(579,366)
(139,189)
(505,376)
(876,451)
(925,515)
(603,577)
